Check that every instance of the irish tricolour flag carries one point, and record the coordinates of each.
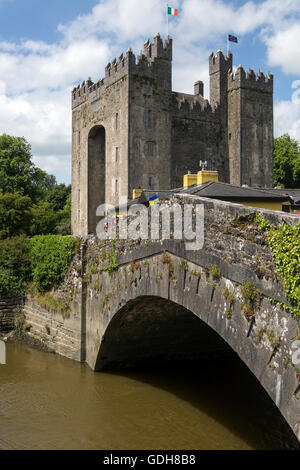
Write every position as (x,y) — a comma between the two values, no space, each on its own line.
(172,11)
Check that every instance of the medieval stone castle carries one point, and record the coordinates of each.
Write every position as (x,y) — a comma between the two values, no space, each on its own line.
(130,130)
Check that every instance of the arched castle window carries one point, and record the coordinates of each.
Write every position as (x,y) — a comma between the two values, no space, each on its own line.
(116,186)
(78,138)
(117,121)
(79,168)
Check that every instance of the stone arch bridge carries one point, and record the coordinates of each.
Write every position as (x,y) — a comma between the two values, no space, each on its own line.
(163,303)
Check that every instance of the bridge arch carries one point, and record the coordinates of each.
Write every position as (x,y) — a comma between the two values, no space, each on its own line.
(153,331)
(96,173)
(174,287)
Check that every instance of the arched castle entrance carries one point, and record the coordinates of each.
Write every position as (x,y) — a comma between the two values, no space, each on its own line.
(96,174)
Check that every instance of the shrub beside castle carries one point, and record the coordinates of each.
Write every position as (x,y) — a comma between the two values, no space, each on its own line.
(32,206)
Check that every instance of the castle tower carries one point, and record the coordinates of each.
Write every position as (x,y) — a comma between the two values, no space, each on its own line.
(121,132)
(250,128)
(130,130)
(219,68)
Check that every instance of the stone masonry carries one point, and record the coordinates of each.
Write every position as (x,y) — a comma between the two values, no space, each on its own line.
(130,130)
(143,310)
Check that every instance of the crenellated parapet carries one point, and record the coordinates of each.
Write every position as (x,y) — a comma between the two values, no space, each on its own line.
(148,63)
(114,71)
(219,62)
(158,49)
(248,79)
(191,106)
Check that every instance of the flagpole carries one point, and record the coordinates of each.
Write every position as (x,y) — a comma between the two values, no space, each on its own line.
(167,20)
(227,44)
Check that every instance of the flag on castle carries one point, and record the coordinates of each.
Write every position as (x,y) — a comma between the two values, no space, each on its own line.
(232,38)
(153,199)
(172,11)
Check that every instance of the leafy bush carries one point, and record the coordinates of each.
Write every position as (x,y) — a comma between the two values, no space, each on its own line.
(15,271)
(285,246)
(50,259)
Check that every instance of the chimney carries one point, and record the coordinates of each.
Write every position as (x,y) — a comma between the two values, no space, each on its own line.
(198,88)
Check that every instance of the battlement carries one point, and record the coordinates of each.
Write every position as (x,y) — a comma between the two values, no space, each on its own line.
(158,49)
(147,63)
(219,62)
(191,106)
(248,79)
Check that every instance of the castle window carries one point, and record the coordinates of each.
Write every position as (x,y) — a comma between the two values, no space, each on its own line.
(229,136)
(118,93)
(95,105)
(150,149)
(149,118)
(116,186)
(150,182)
(78,138)
(117,121)
(116,154)
(79,168)
(78,196)
(78,215)
(260,110)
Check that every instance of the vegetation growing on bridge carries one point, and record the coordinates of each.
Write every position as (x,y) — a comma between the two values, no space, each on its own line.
(251,299)
(113,265)
(284,242)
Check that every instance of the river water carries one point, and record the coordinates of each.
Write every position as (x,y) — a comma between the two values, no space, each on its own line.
(49,402)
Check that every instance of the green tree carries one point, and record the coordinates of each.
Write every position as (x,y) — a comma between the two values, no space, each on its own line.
(31,201)
(42,183)
(15,268)
(18,173)
(57,196)
(44,219)
(15,214)
(286,162)
(63,227)
(16,167)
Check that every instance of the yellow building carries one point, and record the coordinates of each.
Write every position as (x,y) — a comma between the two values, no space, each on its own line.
(206,184)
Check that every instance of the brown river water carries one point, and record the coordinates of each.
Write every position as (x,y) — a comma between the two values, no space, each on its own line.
(49,402)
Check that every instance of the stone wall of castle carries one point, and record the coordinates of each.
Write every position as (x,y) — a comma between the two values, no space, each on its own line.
(130,130)
(250,128)
(197,134)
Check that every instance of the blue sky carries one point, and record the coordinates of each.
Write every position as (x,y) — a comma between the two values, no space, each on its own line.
(48,47)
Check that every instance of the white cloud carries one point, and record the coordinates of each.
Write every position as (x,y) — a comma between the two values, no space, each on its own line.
(37,77)
(283,49)
(126,20)
(287,119)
